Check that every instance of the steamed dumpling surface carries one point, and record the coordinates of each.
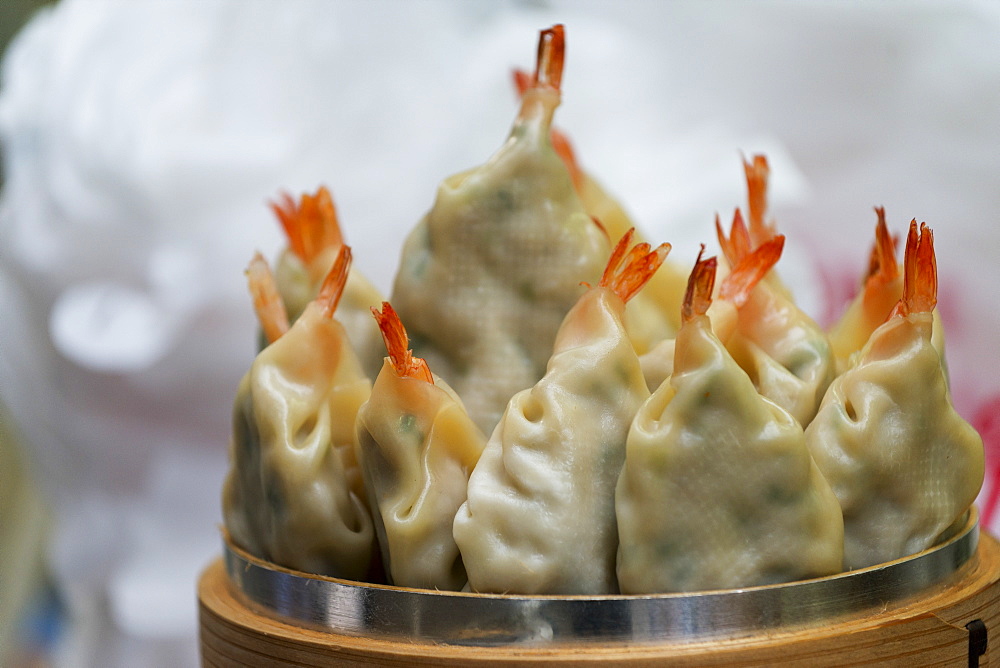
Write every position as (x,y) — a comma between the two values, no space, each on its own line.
(903,463)
(540,515)
(718,489)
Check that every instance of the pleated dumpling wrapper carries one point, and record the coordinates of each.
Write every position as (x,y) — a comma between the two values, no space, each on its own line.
(417,447)
(314,238)
(880,291)
(488,274)
(786,354)
(654,314)
(293,494)
(718,489)
(540,516)
(903,463)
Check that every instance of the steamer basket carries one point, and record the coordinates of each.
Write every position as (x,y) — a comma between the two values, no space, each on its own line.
(939,607)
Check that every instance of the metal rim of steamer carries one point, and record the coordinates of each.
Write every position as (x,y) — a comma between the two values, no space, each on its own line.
(486,620)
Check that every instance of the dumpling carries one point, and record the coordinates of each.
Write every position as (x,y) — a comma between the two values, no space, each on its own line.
(314,239)
(487,276)
(417,447)
(540,515)
(718,489)
(903,463)
(293,494)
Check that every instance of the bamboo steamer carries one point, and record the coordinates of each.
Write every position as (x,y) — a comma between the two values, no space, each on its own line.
(937,608)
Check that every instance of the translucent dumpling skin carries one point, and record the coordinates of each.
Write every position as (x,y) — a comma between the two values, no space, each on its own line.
(294,493)
(540,514)
(718,489)
(417,447)
(904,465)
(786,353)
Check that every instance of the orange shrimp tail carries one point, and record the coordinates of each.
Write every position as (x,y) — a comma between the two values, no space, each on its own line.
(600,226)
(397,345)
(698,296)
(748,272)
(629,269)
(757,174)
(563,148)
(883,265)
(617,255)
(738,245)
(332,288)
(311,225)
(551,54)
(919,273)
(267,300)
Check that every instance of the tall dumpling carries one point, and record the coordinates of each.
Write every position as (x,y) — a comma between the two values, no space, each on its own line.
(417,447)
(314,239)
(540,515)
(903,463)
(718,489)
(293,494)
(488,274)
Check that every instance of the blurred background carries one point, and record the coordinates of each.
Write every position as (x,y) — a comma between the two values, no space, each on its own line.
(142,141)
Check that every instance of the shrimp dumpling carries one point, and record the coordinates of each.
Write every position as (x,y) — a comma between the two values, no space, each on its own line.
(488,274)
(417,447)
(293,494)
(718,489)
(540,515)
(903,463)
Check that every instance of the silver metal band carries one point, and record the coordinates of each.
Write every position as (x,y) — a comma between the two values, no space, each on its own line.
(358,609)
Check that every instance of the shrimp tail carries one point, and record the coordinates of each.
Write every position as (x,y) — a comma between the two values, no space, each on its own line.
(882,265)
(630,267)
(267,300)
(757,174)
(522,80)
(883,257)
(698,296)
(564,149)
(919,273)
(738,245)
(551,56)
(750,270)
(600,226)
(397,345)
(332,288)
(311,225)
